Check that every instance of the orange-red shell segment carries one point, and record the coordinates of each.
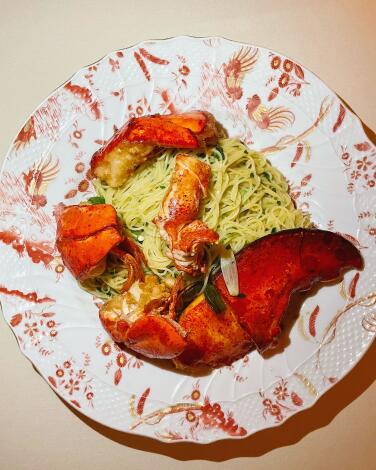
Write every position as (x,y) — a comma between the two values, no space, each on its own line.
(85,235)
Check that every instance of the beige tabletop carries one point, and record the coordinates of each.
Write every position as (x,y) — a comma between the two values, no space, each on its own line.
(42,43)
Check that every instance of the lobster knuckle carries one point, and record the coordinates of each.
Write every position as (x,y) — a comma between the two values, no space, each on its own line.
(85,235)
(156,337)
(83,256)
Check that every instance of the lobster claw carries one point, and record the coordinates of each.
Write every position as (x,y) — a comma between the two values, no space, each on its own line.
(85,235)
(270,270)
(135,319)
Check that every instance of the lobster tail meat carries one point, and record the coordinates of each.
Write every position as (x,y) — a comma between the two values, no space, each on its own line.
(140,138)
(177,219)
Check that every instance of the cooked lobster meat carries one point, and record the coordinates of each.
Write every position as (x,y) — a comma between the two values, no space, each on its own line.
(270,270)
(86,234)
(135,319)
(177,219)
(142,137)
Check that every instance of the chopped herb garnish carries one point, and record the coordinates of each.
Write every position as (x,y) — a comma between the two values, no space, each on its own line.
(187,295)
(96,200)
(274,230)
(267,175)
(219,149)
(214,298)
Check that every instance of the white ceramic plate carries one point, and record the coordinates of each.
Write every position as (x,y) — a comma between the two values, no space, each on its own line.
(274,105)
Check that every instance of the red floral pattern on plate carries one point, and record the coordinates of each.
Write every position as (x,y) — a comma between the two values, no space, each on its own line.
(282,403)
(286,76)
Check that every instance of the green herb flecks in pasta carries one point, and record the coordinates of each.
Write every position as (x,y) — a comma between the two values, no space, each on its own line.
(248,198)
